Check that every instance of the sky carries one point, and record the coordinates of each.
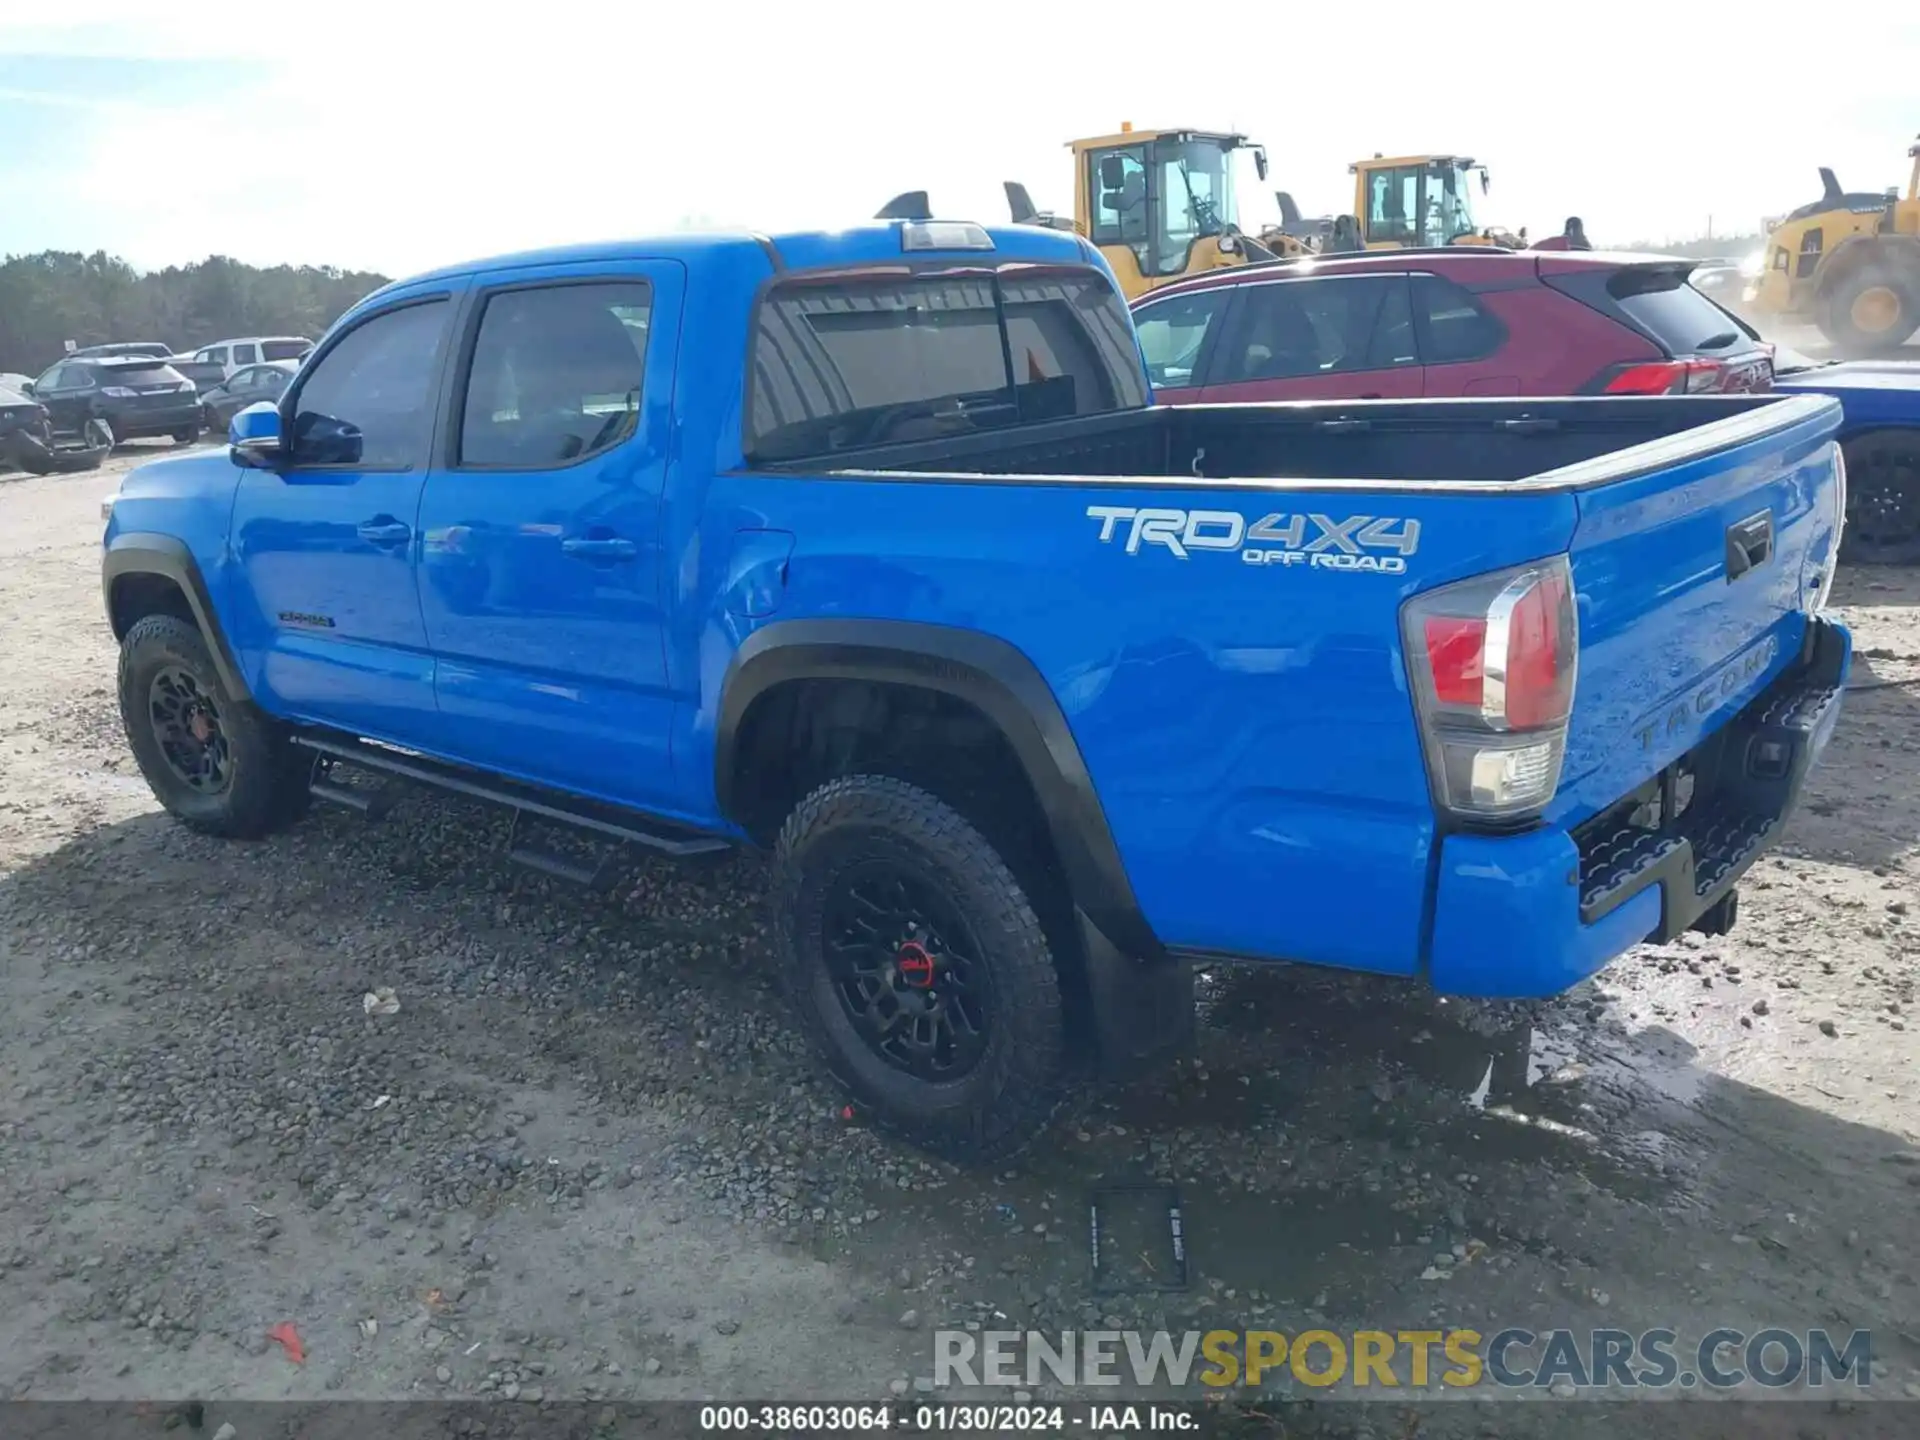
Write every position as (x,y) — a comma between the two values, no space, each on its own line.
(401,135)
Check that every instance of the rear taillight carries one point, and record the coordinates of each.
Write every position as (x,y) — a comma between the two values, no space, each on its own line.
(1667,377)
(1492,663)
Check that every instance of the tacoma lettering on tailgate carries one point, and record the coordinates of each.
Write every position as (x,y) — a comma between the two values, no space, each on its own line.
(1705,697)
(1276,539)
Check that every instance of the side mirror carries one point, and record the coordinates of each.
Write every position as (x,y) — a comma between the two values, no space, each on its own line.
(1260,162)
(254,439)
(26,387)
(1113,174)
(323,440)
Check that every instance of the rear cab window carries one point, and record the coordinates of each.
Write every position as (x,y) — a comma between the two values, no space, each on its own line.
(841,362)
(283,349)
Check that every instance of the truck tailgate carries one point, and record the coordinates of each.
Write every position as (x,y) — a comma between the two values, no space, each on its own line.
(1694,581)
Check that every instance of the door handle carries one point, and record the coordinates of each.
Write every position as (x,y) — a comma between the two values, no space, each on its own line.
(384,531)
(602,549)
(1749,544)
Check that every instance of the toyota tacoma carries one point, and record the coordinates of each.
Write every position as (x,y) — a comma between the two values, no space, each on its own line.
(871,548)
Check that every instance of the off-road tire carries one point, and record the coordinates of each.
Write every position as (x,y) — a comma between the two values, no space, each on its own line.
(1883,499)
(1022,1078)
(267,787)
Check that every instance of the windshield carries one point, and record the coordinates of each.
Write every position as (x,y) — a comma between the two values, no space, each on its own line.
(1196,197)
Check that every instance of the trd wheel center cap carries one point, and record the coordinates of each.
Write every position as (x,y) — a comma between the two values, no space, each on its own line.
(915,966)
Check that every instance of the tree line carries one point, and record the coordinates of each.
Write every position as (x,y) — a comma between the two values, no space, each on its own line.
(56,296)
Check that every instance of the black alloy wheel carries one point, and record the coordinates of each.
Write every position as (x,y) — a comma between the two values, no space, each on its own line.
(186,727)
(1883,499)
(905,967)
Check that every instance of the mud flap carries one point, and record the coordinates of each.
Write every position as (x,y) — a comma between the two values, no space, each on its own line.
(1142,1009)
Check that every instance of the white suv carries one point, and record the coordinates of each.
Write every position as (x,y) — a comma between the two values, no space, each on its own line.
(235,355)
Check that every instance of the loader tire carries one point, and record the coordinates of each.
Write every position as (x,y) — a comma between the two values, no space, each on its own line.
(1872,311)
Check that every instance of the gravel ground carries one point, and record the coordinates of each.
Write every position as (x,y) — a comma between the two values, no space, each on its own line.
(588,1158)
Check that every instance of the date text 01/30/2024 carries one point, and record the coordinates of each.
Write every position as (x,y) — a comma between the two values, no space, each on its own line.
(988,1419)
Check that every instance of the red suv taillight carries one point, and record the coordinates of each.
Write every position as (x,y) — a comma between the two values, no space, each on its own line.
(1667,377)
(1492,663)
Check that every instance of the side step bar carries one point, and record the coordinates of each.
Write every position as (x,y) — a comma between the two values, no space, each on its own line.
(525,801)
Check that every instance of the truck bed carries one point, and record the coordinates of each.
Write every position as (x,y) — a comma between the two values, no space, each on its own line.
(1245,713)
(1451,445)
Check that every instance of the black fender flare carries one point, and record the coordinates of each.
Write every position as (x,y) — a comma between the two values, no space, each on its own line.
(144,553)
(995,678)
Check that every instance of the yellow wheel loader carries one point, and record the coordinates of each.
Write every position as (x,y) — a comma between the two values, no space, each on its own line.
(1421,201)
(1848,263)
(1160,205)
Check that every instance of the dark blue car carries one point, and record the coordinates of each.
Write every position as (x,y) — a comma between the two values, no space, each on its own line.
(1880,438)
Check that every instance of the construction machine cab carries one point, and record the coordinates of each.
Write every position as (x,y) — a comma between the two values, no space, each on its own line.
(1416,200)
(1160,204)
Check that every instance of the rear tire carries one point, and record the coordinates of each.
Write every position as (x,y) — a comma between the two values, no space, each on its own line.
(1873,310)
(1883,499)
(919,969)
(214,763)
(186,436)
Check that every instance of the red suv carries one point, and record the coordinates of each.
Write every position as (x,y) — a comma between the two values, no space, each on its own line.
(1466,320)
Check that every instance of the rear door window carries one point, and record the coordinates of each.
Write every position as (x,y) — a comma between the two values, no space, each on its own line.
(1173,336)
(1318,327)
(556,374)
(855,361)
(246,355)
(1679,317)
(1452,325)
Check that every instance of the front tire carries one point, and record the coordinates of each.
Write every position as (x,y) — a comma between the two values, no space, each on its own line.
(919,969)
(214,763)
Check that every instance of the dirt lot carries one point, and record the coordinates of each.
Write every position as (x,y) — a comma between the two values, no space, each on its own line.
(588,1157)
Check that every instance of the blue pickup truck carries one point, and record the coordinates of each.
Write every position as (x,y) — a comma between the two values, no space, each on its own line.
(872,549)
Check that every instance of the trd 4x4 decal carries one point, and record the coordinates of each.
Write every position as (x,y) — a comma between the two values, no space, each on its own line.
(1278,539)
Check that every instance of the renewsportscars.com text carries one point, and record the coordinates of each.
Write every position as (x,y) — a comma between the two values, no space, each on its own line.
(1768,1359)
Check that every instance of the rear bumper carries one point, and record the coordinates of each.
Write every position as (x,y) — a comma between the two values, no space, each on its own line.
(1530,915)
